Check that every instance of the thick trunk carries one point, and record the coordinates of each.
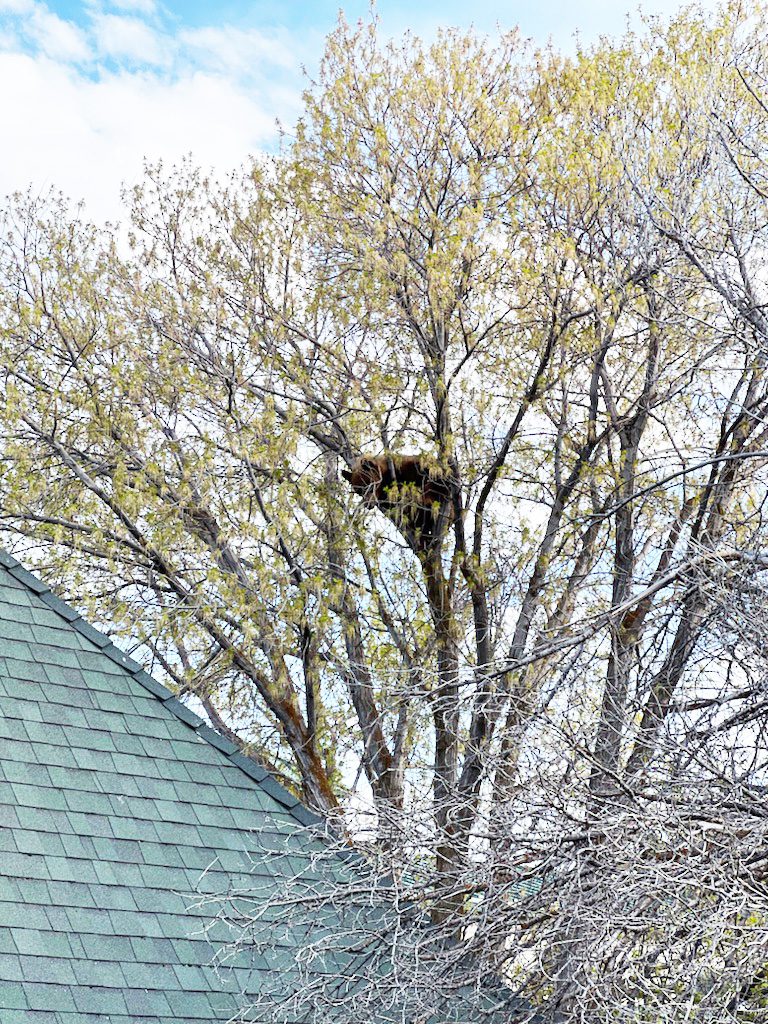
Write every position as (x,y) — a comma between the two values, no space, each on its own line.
(610,729)
(625,631)
(445,715)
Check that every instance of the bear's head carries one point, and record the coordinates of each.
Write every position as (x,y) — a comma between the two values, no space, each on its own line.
(365,476)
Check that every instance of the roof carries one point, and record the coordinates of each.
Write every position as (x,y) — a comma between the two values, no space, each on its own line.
(118,806)
(114,798)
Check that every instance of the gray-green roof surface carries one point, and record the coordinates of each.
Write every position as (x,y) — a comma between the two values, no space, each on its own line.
(118,806)
(114,798)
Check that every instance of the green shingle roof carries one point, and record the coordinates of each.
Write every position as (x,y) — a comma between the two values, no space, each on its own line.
(118,806)
(114,798)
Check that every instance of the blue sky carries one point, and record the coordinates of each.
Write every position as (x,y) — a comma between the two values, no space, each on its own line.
(537,18)
(92,88)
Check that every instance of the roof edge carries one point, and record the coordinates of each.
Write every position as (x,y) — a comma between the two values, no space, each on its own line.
(256,772)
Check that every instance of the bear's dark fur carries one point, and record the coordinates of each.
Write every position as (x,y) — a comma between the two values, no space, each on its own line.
(415,495)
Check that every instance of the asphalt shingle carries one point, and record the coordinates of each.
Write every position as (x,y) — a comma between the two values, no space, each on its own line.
(114,798)
(118,807)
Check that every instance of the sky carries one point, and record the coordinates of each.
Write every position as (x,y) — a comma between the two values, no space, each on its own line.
(92,89)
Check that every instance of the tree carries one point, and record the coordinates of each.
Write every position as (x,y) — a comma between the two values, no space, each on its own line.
(541,275)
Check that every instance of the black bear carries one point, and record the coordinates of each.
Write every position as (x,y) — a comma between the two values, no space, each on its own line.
(414,494)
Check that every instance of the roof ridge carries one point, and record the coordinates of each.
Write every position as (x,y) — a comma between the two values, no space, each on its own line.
(256,772)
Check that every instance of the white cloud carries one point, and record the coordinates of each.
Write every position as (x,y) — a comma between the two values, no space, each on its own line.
(136,6)
(91,104)
(129,39)
(239,50)
(56,37)
(87,137)
(15,6)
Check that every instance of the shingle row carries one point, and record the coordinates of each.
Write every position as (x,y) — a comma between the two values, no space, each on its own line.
(118,807)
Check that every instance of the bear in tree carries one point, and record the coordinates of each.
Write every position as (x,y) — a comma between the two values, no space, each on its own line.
(411,492)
